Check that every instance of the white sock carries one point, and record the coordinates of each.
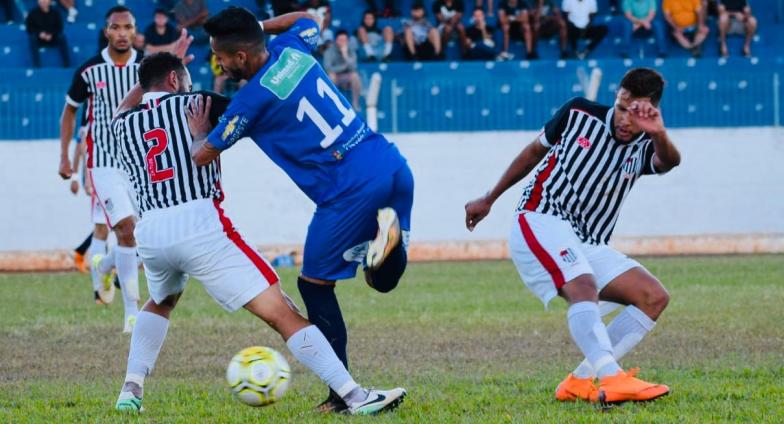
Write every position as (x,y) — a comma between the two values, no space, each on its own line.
(128,273)
(107,263)
(146,341)
(312,349)
(97,247)
(387,48)
(625,331)
(590,335)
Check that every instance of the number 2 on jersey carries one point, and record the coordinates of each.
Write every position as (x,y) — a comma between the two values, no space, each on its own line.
(330,133)
(160,140)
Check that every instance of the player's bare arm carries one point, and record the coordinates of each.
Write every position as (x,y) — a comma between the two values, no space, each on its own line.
(202,152)
(648,118)
(523,164)
(282,23)
(67,123)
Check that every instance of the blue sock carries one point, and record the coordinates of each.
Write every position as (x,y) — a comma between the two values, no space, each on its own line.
(386,277)
(324,313)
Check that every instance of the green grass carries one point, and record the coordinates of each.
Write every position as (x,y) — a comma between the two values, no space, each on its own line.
(467,340)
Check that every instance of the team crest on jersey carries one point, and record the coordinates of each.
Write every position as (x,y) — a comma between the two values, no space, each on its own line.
(234,128)
(108,205)
(568,256)
(630,167)
(584,142)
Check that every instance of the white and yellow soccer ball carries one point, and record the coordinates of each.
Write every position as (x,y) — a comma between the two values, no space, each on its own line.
(258,376)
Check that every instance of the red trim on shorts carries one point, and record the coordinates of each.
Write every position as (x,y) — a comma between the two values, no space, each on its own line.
(100,202)
(544,258)
(89,138)
(536,193)
(228,228)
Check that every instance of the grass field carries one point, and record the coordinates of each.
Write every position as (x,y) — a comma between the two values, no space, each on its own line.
(467,340)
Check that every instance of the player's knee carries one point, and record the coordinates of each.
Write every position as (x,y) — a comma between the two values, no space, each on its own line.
(124,231)
(580,289)
(655,301)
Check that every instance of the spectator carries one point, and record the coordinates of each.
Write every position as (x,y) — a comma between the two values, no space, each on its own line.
(515,24)
(423,42)
(735,18)
(449,15)
(547,22)
(9,8)
(45,28)
(192,14)
(490,8)
(687,20)
(281,7)
(376,43)
(388,11)
(139,42)
(160,34)
(70,7)
(340,62)
(641,17)
(480,38)
(323,10)
(578,25)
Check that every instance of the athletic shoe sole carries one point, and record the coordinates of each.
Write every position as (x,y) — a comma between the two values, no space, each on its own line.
(606,404)
(387,239)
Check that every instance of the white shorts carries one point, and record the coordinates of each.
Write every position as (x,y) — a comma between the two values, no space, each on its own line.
(547,254)
(114,196)
(196,239)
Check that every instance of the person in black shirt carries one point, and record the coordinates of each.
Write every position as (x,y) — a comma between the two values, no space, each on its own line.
(45,28)
(449,15)
(480,44)
(160,34)
(735,18)
(515,23)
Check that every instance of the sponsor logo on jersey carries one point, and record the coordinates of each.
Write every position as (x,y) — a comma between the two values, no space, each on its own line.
(283,77)
(568,256)
(234,129)
(101,85)
(584,142)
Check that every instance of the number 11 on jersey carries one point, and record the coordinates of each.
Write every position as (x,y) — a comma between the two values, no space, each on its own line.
(330,133)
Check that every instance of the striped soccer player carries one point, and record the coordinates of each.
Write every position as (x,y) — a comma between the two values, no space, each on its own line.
(591,157)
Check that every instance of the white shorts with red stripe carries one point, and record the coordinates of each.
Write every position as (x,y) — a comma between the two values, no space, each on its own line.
(548,254)
(196,239)
(113,196)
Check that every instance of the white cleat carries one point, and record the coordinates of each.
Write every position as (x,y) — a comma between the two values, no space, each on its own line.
(378,401)
(388,238)
(130,322)
(106,281)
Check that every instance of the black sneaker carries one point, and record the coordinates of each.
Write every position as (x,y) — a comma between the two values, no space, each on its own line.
(333,405)
(117,281)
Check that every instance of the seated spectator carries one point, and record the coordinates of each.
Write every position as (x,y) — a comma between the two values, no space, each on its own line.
(641,17)
(70,7)
(340,62)
(192,14)
(9,7)
(323,10)
(687,21)
(449,16)
(735,18)
(45,28)
(578,25)
(481,45)
(160,34)
(423,42)
(376,43)
(515,24)
(139,42)
(547,22)
(490,8)
(388,11)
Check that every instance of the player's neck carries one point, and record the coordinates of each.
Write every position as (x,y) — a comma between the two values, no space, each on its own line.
(120,58)
(257,63)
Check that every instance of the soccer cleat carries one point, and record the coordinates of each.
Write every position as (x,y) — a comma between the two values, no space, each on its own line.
(333,404)
(98,300)
(128,402)
(80,263)
(106,286)
(388,238)
(130,322)
(573,388)
(378,401)
(624,387)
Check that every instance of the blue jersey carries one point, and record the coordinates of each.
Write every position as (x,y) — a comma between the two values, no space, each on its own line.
(294,113)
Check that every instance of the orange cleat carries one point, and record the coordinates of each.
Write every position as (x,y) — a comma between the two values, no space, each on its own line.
(624,387)
(80,263)
(573,388)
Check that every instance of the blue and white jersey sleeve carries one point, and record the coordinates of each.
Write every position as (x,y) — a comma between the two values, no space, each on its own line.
(233,125)
(303,35)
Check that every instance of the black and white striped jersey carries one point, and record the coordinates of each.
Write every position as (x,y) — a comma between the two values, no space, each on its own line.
(102,84)
(587,174)
(155,151)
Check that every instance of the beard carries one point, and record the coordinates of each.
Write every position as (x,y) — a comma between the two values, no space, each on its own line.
(234,74)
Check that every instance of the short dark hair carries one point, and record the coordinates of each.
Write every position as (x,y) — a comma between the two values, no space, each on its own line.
(341,32)
(417,5)
(156,67)
(644,82)
(235,26)
(116,9)
(161,11)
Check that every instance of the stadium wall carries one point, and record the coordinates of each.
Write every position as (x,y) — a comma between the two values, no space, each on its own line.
(726,197)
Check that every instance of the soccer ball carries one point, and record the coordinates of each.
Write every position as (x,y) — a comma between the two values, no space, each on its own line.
(258,376)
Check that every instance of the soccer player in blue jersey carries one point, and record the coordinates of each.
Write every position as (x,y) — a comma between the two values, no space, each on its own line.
(359,181)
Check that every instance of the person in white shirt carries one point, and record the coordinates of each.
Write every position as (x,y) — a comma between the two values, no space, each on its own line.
(578,23)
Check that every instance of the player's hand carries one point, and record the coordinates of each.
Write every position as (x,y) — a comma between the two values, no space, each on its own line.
(646,116)
(199,116)
(74,187)
(65,168)
(180,47)
(477,210)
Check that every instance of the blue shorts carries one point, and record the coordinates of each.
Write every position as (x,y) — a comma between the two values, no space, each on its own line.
(340,230)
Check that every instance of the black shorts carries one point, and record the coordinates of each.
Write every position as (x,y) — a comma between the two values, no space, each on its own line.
(548,27)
